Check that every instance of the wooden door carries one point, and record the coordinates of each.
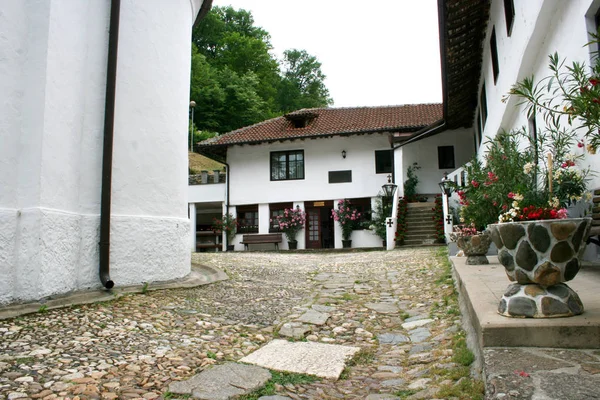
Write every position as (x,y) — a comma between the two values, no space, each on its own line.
(313,228)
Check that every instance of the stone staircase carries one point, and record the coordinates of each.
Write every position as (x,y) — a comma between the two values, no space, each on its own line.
(420,227)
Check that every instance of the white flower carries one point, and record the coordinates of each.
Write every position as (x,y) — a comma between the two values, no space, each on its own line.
(528,167)
(588,196)
(518,197)
(554,202)
(515,204)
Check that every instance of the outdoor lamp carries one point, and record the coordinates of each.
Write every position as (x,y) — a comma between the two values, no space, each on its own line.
(389,188)
(192,107)
(446,185)
(343,153)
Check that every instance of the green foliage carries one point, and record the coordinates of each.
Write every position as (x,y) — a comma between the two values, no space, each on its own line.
(401,221)
(236,81)
(347,216)
(227,224)
(279,378)
(411,182)
(438,219)
(43,309)
(462,355)
(383,209)
(570,92)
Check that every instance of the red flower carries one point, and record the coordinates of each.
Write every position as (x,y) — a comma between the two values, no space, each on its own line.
(594,81)
(475,183)
(580,145)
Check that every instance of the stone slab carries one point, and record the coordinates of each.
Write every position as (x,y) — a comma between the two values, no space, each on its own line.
(383,308)
(314,317)
(392,338)
(482,287)
(223,382)
(319,359)
(294,330)
(416,323)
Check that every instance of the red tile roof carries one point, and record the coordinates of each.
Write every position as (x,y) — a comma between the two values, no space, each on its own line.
(325,122)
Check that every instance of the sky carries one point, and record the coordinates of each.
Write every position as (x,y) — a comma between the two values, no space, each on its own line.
(375,53)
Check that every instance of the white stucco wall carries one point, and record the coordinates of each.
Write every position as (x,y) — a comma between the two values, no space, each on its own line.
(425,153)
(250,170)
(53,72)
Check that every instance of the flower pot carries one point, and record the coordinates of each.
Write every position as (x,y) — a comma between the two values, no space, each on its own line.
(292,244)
(346,244)
(230,247)
(475,248)
(383,243)
(540,256)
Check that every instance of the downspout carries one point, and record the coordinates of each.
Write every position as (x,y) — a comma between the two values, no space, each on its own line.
(107,152)
(227,201)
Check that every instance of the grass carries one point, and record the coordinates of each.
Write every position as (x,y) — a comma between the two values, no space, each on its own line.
(169,395)
(145,288)
(211,354)
(43,309)
(405,393)
(466,389)
(279,378)
(364,356)
(462,355)
(198,163)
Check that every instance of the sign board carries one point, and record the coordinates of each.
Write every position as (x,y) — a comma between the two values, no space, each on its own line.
(319,204)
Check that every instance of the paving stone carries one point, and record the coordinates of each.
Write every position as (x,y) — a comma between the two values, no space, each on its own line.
(322,308)
(419,335)
(393,383)
(294,330)
(314,317)
(391,338)
(276,397)
(415,324)
(323,360)
(223,382)
(383,308)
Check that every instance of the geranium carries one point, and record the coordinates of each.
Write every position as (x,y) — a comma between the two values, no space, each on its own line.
(291,222)
(524,185)
(459,231)
(347,216)
(227,224)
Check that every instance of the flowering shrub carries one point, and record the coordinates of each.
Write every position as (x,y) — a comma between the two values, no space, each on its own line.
(347,216)
(227,224)
(570,91)
(512,185)
(291,222)
(438,219)
(378,219)
(401,226)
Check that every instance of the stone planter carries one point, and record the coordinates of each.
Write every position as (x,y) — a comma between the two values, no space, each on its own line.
(292,244)
(475,248)
(540,256)
(346,244)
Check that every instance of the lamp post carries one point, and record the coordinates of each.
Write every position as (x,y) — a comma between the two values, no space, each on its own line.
(389,188)
(192,107)
(390,230)
(447,186)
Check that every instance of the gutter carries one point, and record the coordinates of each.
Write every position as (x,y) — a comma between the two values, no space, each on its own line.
(107,152)
(227,201)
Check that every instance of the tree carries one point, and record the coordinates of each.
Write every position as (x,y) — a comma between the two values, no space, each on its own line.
(303,83)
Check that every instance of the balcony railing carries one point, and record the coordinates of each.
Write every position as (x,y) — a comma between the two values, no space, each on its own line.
(204,178)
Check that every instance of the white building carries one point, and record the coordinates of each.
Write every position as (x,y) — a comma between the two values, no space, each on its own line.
(313,158)
(53,79)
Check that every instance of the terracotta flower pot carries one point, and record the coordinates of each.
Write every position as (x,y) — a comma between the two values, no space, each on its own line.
(540,256)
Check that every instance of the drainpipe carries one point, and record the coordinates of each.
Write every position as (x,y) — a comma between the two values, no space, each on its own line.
(109,124)
(227,201)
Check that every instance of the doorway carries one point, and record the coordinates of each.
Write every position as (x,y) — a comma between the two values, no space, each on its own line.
(319,225)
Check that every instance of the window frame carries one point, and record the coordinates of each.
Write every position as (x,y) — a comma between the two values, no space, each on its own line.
(242,227)
(483,109)
(449,150)
(391,163)
(287,165)
(509,14)
(494,54)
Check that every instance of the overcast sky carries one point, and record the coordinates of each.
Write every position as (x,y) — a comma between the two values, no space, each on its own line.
(380,52)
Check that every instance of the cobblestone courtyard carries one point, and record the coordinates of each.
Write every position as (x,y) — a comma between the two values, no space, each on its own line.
(399,307)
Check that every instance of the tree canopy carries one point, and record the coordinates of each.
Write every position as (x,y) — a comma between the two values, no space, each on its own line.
(236,81)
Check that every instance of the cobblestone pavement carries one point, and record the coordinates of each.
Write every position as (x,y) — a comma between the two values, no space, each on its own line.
(398,306)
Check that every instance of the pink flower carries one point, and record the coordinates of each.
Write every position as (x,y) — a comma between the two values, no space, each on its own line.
(475,183)
(562,213)
(511,195)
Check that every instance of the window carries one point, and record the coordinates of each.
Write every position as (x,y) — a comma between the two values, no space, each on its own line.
(509,12)
(287,165)
(247,217)
(482,109)
(446,157)
(340,176)
(275,210)
(363,206)
(494,51)
(383,161)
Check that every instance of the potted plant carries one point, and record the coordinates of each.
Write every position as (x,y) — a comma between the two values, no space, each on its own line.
(411,182)
(291,222)
(348,218)
(475,244)
(227,224)
(378,218)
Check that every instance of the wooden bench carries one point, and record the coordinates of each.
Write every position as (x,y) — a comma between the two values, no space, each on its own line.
(263,238)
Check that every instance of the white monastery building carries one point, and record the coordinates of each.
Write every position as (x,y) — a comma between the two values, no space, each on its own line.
(79,78)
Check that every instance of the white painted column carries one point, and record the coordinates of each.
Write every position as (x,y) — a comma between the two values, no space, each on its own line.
(448,226)
(192,211)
